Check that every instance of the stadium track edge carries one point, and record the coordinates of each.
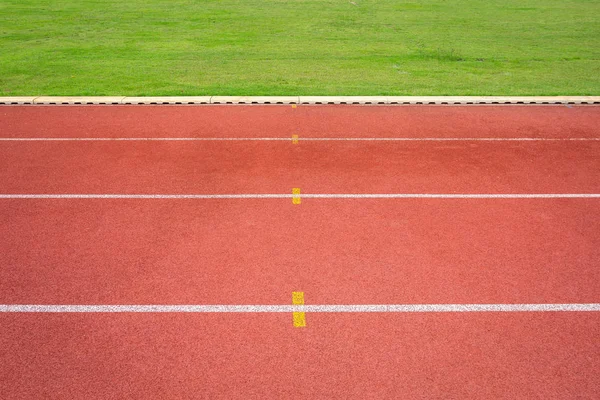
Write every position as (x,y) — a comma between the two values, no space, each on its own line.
(369,100)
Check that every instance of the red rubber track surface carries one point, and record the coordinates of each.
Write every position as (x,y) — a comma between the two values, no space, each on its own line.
(521,355)
(337,251)
(309,121)
(276,167)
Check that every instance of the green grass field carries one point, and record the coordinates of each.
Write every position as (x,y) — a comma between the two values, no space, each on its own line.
(299,47)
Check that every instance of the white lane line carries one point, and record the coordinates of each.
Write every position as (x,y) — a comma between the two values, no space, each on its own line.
(314,196)
(167,139)
(385,139)
(512,139)
(144,196)
(453,196)
(389,308)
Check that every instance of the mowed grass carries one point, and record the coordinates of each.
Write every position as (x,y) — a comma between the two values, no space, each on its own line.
(299,47)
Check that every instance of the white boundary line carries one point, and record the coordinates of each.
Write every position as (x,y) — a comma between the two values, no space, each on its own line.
(385,308)
(142,139)
(301,100)
(308,195)
(308,139)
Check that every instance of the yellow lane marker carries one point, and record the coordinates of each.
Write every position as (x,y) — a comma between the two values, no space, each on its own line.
(293,106)
(296,196)
(294,139)
(299,317)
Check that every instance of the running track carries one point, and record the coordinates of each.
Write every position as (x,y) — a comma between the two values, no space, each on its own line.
(517,227)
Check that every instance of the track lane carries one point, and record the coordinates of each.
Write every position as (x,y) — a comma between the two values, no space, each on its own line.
(306,121)
(315,167)
(263,356)
(355,251)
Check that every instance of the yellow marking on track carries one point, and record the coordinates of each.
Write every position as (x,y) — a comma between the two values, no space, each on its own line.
(294,139)
(293,106)
(299,320)
(299,317)
(298,298)
(296,196)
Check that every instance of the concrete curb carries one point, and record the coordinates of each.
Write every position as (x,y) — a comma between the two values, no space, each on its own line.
(167,100)
(17,100)
(254,100)
(56,100)
(79,100)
